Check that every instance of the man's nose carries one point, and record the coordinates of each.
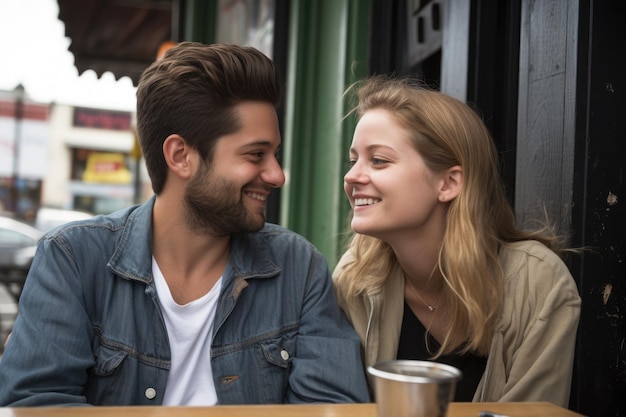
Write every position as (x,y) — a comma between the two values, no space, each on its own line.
(273,174)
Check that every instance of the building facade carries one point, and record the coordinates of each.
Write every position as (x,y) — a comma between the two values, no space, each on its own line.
(71,158)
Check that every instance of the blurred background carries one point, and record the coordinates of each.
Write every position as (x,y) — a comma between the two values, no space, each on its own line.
(546,75)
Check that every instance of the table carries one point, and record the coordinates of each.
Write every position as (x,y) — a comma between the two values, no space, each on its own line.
(321,410)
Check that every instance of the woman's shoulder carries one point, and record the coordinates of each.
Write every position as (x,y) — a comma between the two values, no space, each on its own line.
(346,259)
(523,250)
(532,264)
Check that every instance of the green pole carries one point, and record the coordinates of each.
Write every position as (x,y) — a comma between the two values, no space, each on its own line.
(327,52)
(200,18)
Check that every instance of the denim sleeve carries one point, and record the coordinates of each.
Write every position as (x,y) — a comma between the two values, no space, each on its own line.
(47,357)
(327,367)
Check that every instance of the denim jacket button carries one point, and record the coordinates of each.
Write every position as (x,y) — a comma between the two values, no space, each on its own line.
(284,354)
(150,393)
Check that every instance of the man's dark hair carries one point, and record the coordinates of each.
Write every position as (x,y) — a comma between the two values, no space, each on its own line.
(192,90)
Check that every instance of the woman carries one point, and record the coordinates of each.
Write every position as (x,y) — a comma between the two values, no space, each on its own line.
(437,268)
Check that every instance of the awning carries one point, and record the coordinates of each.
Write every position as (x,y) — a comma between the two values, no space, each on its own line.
(120,36)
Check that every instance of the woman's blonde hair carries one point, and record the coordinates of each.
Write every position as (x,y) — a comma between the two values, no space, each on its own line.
(447,132)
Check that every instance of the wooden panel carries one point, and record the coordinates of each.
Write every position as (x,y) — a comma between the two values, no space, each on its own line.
(540,179)
(546,122)
(454,56)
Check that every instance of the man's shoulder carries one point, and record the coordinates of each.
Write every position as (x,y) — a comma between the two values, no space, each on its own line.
(111,222)
(118,239)
(271,249)
(275,231)
(273,227)
(273,237)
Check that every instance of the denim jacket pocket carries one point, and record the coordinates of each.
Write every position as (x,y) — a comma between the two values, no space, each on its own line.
(107,360)
(121,375)
(279,352)
(109,382)
(277,355)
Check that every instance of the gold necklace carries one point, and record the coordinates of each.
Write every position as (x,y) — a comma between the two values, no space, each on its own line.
(430,307)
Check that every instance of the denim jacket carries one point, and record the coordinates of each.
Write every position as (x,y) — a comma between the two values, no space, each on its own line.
(90,328)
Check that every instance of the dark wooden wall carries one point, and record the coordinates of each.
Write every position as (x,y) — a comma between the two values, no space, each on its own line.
(599,210)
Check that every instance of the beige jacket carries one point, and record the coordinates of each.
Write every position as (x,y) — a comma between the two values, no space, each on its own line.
(532,351)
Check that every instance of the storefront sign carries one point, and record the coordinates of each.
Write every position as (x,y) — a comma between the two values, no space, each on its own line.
(101,119)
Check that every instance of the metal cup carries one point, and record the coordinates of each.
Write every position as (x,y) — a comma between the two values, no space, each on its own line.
(407,388)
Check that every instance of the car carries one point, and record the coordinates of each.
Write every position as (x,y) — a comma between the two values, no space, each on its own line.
(18,242)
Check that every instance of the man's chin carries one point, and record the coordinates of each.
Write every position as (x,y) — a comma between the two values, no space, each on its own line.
(255,222)
(259,223)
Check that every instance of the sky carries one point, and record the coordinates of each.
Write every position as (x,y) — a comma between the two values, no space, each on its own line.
(34,52)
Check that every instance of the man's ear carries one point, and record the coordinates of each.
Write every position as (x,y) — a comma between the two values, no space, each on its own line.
(178,155)
(451,184)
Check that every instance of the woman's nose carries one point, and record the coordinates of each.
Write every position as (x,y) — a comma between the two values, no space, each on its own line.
(354,174)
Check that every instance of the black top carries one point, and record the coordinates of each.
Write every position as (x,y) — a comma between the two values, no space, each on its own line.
(413,346)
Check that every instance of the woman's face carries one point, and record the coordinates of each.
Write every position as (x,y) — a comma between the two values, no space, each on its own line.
(391,190)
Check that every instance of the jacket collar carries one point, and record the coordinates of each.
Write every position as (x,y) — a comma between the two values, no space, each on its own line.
(250,254)
(132,259)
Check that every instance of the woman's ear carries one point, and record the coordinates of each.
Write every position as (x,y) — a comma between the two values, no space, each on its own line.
(451,184)
(178,155)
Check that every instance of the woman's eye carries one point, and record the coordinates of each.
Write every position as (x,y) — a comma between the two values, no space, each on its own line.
(378,161)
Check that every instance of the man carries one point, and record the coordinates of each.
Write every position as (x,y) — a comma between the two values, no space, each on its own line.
(190,298)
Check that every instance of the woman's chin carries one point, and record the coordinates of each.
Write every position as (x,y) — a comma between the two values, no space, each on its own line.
(361,228)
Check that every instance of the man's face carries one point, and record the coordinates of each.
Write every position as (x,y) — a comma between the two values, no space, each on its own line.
(229,194)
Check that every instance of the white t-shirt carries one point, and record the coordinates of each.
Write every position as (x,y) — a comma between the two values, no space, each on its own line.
(190,331)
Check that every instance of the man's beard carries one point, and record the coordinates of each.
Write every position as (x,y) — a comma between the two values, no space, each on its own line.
(213,205)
